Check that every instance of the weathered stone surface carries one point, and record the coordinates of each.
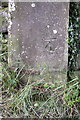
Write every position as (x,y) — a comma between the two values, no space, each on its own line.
(39,33)
(78,62)
(3,20)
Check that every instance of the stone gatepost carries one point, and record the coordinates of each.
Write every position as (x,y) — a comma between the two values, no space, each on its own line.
(39,34)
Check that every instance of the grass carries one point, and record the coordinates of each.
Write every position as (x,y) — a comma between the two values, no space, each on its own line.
(37,99)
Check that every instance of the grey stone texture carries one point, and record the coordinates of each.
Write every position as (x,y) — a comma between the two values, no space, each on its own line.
(39,33)
(39,37)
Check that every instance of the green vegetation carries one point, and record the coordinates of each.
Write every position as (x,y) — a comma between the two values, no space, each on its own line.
(74,35)
(37,99)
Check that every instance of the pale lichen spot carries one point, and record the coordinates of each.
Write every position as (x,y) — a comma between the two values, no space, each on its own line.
(60,35)
(35,46)
(48,26)
(64,9)
(22,46)
(18,25)
(55,31)
(18,29)
(33,5)
(22,52)
(56,48)
(26,56)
